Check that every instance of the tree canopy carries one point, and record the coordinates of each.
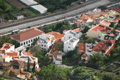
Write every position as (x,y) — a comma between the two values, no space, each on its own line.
(59,27)
(97,60)
(40,53)
(112,24)
(53,72)
(7,39)
(37,50)
(53,5)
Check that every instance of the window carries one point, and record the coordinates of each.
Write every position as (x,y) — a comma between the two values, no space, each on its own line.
(21,44)
(44,45)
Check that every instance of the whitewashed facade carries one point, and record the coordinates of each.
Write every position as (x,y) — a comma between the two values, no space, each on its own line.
(45,41)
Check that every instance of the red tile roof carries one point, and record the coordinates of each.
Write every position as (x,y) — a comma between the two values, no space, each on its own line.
(57,35)
(2,51)
(32,58)
(4,56)
(111,34)
(81,47)
(116,9)
(77,30)
(27,53)
(101,46)
(116,19)
(37,69)
(12,54)
(53,49)
(32,64)
(27,34)
(59,41)
(117,31)
(108,53)
(101,28)
(57,53)
(6,46)
(105,22)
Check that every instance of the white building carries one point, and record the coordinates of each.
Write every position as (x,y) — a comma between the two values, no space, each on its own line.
(24,57)
(45,41)
(29,2)
(70,44)
(57,57)
(8,47)
(33,4)
(40,8)
(71,33)
(70,39)
(26,38)
(6,58)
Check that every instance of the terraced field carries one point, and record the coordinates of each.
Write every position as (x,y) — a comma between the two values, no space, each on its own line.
(17,4)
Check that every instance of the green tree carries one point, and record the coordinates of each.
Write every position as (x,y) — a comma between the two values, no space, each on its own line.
(112,24)
(117,16)
(44,60)
(61,26)
(33,69)
(37,50)
(53,5)
(97,60)
(102,7)
(7,39)
(85,29)
(81,74)
(53,72)
(90,40)
(28,65)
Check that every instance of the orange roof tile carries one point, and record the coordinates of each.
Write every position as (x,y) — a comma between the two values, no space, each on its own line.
(32,64)
(2,51)
(111,34)
(81,47)
(83,56)
(6,46)
(105,22)
(117,31)
(116,19)
(50,57)
(57,53)
(108,53)
(57,35)
(101,28)
(77,30)
(27,34)
(13,54)
(101,46)
(110,41)
(27,53)
(4,56)
(53,49)
(59,41)
(37,69)
(32,58)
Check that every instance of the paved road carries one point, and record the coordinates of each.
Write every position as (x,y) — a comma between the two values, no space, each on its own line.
(48,19)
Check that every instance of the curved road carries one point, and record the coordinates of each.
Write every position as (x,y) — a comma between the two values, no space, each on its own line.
(54,17)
